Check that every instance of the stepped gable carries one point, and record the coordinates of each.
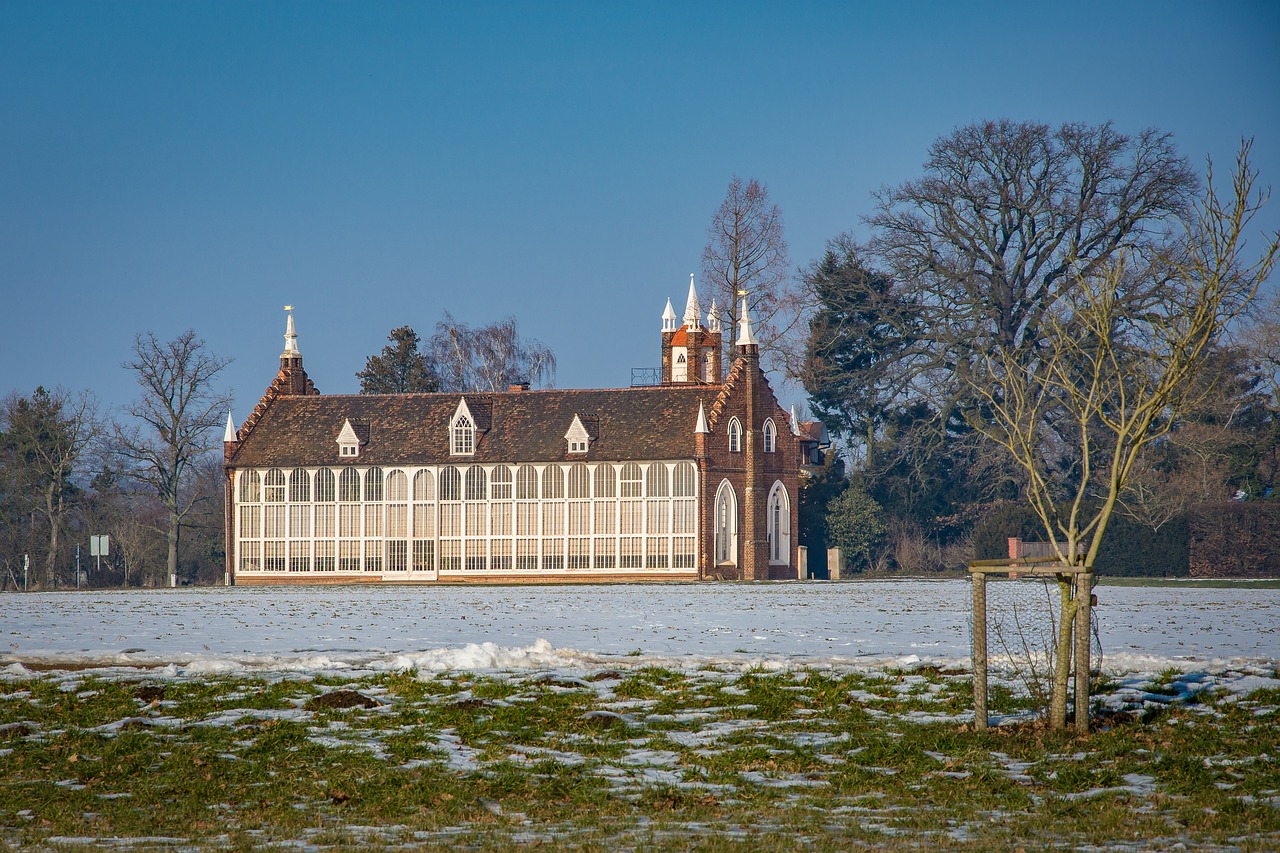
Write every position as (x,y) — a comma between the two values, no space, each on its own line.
(725,392)
(290,381)
(527,426)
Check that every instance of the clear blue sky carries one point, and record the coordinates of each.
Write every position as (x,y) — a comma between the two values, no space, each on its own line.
(191,164)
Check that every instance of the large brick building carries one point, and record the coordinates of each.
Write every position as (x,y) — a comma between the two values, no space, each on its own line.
(692,479)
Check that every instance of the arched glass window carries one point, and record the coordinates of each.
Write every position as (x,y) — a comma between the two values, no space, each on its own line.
(424,486)
(326,486)
(274,486)
(606,481)
(725,522)
(299,486)
(373,484)
(349,485)
(450,484)
(397,486)
(579,481)
(770,436)
(735,436)
(631,477)
(685,481)
(501,483)
(477,484)
(657,486)
(779,524)
(527,483)
(250,487)
(464,436)
(553,482)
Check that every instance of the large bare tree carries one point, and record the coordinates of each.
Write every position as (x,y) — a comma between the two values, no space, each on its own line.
(746,258)
(44,439)
(1006,219)
(1109,375)
(488,358)
(177,415)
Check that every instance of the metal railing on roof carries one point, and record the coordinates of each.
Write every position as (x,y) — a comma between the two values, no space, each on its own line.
(642,376)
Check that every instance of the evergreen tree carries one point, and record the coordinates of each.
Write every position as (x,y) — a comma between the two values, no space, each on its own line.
(400,369)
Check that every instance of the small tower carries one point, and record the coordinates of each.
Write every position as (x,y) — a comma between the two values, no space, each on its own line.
(691,353)
(294,377)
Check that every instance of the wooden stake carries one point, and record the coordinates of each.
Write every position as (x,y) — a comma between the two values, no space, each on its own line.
(980,651)
(1084,598)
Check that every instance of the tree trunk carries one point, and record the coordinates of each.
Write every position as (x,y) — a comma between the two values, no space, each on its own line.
(51,559)
(1062,660)
(175,527)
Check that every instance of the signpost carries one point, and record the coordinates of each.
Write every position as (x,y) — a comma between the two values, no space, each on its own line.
(100,546)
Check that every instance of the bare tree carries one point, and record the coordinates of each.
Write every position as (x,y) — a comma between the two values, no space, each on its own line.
(44,439)
(1006,219)
(178,413)
(1114,376)
(1262,338)
(488,358)
(746,258)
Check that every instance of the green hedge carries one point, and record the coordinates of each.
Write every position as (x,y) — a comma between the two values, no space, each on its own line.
(1128,549)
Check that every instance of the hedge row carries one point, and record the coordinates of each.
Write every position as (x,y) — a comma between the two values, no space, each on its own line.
(1214,540)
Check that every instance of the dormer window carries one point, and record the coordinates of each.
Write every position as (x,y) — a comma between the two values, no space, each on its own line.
(462,431)
(464,437)
(578,438)
(735,436)
(348,441)
(770,436)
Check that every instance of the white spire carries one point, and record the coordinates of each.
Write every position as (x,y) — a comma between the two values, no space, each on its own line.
(795,421)
(702,420)
(713,317)
(669,318)
(290,336)
(744,324)
(691,309)
(230,434)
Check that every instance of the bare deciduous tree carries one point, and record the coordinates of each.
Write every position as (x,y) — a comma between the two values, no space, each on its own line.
(44,439)
(1006,218)
(178,413)
(488,358)
(746,257)
(1115,379)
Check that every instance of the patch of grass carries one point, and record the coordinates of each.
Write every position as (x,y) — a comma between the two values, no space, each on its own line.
(760,760)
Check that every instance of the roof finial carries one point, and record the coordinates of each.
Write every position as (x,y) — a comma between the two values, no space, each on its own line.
(713,317)
(701,425)
(230,434)
(745,337)
(669,317)
(691,309)
(290,336)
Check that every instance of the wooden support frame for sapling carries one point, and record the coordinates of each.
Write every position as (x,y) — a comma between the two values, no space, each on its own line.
(1042,567)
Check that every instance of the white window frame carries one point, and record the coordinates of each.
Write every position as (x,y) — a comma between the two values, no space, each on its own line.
(462,431)
(735,435)
(724,521)
(778,525)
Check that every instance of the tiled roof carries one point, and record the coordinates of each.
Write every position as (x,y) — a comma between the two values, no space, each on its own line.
(407,429)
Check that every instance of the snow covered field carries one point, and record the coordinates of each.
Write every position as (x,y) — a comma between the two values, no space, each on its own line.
(856,624)
(623,717)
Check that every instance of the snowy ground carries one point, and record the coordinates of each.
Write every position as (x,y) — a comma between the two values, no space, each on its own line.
(825,715)
(859,624)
